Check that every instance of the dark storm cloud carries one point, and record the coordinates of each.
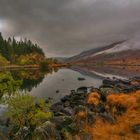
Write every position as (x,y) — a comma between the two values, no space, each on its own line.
(67,27)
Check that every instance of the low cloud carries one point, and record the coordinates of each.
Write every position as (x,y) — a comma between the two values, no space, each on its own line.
(67,27)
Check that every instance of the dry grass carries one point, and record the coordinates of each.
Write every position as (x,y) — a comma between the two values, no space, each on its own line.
(125,100)
(121,130)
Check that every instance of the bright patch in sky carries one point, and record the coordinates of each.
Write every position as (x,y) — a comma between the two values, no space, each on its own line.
(1,25)
(18,38)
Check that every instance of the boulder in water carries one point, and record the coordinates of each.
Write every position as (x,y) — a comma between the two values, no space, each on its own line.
(81,79)
(82,90)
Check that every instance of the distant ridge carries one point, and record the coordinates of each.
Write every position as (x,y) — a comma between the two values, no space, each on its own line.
(87,53)
(126,52)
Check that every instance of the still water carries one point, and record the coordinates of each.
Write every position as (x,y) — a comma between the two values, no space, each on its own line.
(63,81)
(59,82)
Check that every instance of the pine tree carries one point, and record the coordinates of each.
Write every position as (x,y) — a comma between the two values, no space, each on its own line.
(12,49)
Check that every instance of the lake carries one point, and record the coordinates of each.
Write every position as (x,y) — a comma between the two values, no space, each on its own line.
(57,83)
(63,81)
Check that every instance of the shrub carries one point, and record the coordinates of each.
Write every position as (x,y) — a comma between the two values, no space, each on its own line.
(24,111)
(93,98)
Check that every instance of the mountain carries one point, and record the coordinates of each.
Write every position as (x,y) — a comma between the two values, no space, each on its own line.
(86,54)
(123,53)
(60,59)
(125,46)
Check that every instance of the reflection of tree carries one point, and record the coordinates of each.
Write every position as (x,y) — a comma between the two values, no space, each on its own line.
(56,69)
(8,84)
(30,78)
(29,84)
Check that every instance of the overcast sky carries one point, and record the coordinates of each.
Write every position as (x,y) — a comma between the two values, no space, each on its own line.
(67,27)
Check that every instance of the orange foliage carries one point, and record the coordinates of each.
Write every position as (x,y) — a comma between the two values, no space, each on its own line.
(93,98)
(82,114)
(29,59)
(122,128)
(121,99)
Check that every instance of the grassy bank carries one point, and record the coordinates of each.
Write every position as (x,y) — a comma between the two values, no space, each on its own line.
(31,66)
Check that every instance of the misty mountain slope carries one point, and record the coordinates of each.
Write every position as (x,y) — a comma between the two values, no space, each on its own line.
(88,53)
(125,46)
(124,52)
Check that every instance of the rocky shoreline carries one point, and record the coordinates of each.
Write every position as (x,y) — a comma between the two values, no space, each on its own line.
(89,103)
(89,113)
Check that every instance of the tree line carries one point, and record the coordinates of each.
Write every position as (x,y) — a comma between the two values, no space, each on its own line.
(11,49)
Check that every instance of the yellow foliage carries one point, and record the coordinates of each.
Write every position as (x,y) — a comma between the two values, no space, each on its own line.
(30,59)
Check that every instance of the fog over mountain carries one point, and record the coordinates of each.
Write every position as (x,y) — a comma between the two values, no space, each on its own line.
(68,27)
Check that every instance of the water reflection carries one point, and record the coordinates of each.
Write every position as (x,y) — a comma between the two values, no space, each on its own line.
(30,78)
(108,71)
(56,83)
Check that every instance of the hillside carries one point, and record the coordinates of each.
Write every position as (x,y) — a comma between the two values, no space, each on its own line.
(86,54)
(119,53)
